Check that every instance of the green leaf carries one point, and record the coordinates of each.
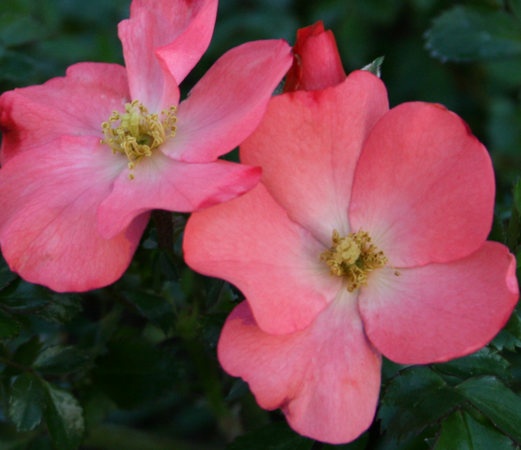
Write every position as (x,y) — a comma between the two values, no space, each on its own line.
(517,196)
(16,29)
(277,436)
(64,418)
(469,34)
(133,366)
(483,362)
(460,431)
(61,308)
(510,336)
(9,326)
(27,352)
(50,306)
(515,7)
(494,400)
(413,400)
(60,360)
(153,307)
(6,276)
(26,401)
(375,67)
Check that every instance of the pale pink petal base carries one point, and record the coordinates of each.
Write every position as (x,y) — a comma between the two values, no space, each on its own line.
(251,243)
(162,183)
(325,378)
(440,311)
(48,226)
(424,186)
(308,144)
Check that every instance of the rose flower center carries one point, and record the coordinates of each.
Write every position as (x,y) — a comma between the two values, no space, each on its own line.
(353,257)
(136,133)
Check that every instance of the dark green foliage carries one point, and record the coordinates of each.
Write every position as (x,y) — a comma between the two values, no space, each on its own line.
(133,366)
(470,34)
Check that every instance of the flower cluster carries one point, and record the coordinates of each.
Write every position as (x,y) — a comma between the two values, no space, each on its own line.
(352,229)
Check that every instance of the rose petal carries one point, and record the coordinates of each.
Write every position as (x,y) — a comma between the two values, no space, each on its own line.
(251,243)
(228,102)
(440,311)
(74,105)
(317,63)
(161,183)
(179,31)
(424,186)
(326,378)
(308,144)
(48,202)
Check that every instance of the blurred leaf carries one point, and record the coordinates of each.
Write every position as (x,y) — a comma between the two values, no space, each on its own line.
(460,431)
(133,371)
(60,360)
(153,307)
(513,235)
(515,7)
(27,352)
(16,29)
(358,444)
(517,196)
(468,34)
(494,400)
(64,418)
(26,402)
(9,326)
(277,436)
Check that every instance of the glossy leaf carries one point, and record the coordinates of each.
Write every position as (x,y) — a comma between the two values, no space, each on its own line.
(26,402)
(64,418)
(484,362)
(469,34)
(413,400)
(59,360)
(460,431)
(494,400)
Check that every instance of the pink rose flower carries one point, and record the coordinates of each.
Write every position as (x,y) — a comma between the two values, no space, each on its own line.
(366,237)
(86,157)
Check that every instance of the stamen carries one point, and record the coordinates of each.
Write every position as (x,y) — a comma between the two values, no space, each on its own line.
(136,133)
(353,257)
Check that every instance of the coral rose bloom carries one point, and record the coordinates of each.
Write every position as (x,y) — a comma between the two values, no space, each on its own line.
(366,237)
(85,157)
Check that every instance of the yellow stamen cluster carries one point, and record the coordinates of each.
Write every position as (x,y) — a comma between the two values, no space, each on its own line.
(136,133)
(353,257)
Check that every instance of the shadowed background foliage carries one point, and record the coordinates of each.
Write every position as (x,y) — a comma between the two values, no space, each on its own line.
(133,366)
